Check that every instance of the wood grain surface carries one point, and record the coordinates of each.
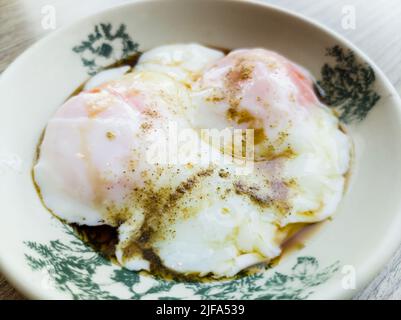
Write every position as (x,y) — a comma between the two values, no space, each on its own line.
(377,32)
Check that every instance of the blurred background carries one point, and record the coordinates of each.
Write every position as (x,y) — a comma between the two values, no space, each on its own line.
(373,26)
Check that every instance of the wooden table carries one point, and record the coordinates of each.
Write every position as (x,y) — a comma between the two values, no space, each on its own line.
(377,32)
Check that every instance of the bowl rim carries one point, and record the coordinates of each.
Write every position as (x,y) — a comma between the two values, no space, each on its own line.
(390,241)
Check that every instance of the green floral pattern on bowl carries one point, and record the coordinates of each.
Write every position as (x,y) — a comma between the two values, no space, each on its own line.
(104,45)
(72,267)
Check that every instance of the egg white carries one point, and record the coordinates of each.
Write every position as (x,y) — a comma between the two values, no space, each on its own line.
(182,62)
(99,160)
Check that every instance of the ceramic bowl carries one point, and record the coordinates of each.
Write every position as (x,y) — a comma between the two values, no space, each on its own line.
(44,259)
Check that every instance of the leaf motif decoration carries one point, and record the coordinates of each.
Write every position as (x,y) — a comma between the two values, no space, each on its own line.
(348,85)
(72,266)
(104,46)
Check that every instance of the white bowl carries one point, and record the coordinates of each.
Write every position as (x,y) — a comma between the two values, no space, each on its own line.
(43,258)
